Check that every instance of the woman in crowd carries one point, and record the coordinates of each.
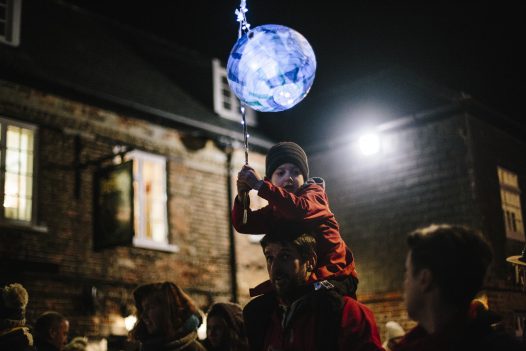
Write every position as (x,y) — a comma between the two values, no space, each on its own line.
(167,318)
(225,328)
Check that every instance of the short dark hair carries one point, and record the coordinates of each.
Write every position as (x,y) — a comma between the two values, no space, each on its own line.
(305,243)
(457,256)
(47,321)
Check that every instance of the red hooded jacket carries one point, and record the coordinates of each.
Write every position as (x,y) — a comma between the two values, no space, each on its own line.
(309,208)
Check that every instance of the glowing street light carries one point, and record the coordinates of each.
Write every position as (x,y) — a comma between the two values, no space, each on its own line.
(369,144)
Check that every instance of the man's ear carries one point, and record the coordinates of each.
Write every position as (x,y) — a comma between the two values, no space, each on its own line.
(311,262)
(425,279)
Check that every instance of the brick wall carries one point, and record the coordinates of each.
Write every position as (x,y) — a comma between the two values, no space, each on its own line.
(56,261)
(441,171)
(419,177)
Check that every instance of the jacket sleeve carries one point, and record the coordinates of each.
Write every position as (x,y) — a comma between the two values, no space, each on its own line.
(257,221)
(358,328)
(311,203)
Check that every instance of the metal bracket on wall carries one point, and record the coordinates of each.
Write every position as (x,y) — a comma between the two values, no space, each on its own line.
(78,166)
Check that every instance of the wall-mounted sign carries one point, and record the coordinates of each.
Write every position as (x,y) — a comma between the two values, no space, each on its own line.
(113,206)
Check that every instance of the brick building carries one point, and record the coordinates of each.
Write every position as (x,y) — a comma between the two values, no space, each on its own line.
(438,157)
(76,102)
(80,95)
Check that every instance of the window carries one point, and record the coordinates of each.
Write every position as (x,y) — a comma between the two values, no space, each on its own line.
(17,171)
(150,201)
(10,21)
(226,103)
(511,204)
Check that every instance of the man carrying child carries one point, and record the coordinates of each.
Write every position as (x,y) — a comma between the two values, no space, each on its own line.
(296,199)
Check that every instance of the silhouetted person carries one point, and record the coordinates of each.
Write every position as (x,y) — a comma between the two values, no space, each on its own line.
(299,315)
(167,318)
(51,331)
(225,329)
(14,335)
(445,268)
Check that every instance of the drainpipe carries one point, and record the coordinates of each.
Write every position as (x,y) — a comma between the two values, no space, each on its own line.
(233,263)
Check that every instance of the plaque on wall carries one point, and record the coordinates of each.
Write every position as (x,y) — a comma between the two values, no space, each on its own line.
(113,206)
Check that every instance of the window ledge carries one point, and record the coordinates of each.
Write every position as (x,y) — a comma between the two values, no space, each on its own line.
(21,226)
(154,245)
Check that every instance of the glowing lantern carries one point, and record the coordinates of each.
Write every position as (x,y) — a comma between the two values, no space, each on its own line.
(271,68)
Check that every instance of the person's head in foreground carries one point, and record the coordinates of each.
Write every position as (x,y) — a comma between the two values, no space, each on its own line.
(445,268)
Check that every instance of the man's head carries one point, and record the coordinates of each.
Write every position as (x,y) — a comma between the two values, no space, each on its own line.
(291,258)
(287,166)
(52,327)
(449,259)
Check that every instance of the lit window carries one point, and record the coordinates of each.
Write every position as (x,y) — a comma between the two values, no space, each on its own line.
(150,200)
(16,155)
(511,204)
(226,103)
(10,21)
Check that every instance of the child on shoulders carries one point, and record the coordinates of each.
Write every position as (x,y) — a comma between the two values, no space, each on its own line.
(295,198)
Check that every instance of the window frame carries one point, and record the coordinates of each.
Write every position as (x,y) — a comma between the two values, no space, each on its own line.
(513,226)
(4,123)
(234,114)
(12,21)
(139,238)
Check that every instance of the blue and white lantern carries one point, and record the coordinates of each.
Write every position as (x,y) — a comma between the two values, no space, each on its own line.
(271,68)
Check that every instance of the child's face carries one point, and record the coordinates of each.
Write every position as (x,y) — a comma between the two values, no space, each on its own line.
(288,176)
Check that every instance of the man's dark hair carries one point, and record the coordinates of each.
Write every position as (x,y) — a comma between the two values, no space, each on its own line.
(457,256)
(305,243)
(47,321)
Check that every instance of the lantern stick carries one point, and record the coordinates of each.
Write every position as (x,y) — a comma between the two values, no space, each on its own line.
(244,27)
(245,134)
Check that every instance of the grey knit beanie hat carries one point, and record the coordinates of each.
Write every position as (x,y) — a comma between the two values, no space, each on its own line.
(286,152)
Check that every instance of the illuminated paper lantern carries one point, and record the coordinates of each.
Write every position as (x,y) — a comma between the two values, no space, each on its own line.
(271,68)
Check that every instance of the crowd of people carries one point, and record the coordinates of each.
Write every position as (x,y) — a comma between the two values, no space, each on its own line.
(309,301)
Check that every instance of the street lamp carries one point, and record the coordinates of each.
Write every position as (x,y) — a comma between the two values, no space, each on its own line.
(369,144)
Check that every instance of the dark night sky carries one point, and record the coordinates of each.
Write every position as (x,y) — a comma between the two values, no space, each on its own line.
(473,47)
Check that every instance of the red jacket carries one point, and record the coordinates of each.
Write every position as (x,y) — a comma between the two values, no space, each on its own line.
(313,322)
(309,207)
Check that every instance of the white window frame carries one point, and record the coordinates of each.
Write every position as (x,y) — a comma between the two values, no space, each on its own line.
(140,239)
(4,123)
(220,86)
(512,211)
(11,21)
